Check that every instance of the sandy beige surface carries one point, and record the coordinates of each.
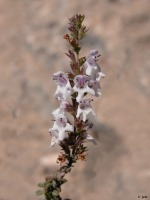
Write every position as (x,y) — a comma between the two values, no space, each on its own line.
(31,50)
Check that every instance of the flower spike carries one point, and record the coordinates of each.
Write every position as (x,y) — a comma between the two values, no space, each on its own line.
(71,119)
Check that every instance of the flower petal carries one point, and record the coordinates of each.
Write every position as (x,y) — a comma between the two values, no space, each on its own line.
(91,139)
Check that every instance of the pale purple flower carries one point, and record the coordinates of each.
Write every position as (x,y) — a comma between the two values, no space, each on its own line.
(94,53)
(55,136)
(93,70)
(95,85)
(85,108)
(91,67)
(61,125)
(81,86)
(60,78)
(64,89)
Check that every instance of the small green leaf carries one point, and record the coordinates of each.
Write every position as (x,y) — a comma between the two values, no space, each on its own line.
(54,183)
(48,184)
(63,181)
(41,184)
(39,192)
(55,193)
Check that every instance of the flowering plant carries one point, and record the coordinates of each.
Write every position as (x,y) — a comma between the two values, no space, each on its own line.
(74,91)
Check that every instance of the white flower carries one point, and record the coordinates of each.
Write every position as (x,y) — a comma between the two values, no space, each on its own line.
(64,89)
(61,125)
(60,78)
(81,86)
(91,67)
(95,85)
(85,108)
(93,70)
(55,136)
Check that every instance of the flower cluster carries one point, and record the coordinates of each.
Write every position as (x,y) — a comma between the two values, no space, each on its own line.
(75,92)
(76,88)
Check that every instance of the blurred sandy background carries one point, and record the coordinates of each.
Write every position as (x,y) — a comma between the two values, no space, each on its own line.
(31,50)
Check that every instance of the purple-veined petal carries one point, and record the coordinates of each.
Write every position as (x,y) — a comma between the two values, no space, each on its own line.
(84,108)
(60,78)
(94,53)
(81,81)
(81,86)
(61,120)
